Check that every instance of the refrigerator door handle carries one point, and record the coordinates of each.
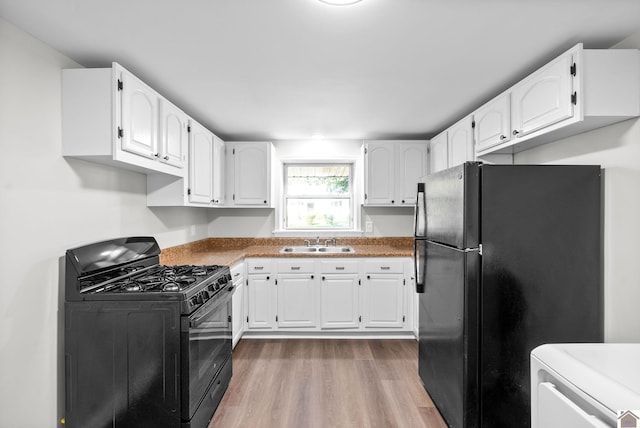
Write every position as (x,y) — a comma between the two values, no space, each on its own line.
(420,264)
(420,214)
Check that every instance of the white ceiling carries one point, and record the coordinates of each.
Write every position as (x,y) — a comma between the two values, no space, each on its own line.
(289,69)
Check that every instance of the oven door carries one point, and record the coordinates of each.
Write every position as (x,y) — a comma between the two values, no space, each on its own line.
(206,345)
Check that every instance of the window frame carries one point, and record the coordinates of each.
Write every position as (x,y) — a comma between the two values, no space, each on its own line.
(286,196)
(354,199)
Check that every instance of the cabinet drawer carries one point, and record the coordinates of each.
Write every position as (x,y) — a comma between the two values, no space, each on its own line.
(259,266)
(237,272)
(383,266)
(296,266)
(339,266)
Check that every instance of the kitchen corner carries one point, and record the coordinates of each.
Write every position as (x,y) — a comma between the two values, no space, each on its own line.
(227,251)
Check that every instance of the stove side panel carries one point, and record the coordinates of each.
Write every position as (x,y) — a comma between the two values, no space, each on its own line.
(122,364)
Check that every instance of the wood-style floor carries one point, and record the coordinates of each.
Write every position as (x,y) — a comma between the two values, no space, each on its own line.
(300,383)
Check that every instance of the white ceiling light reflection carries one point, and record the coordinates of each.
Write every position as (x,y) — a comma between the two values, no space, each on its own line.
(340,2)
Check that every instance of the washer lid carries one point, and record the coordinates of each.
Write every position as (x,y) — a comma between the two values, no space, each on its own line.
(608,372)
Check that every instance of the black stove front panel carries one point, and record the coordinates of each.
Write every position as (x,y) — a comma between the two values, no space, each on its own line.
(122,364)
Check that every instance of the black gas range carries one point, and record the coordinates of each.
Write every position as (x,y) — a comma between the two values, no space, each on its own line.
(145,344)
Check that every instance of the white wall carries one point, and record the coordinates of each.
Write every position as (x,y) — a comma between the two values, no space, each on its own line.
(241,222)
(617,149)
(47,205)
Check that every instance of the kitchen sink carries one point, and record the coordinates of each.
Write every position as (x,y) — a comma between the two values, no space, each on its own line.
(316,249)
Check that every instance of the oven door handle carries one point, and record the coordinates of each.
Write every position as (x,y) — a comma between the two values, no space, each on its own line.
(211,305)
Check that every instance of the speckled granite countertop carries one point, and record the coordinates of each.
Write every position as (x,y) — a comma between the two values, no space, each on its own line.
(227,251)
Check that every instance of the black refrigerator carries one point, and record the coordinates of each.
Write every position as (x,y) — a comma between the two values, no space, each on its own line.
(507,257)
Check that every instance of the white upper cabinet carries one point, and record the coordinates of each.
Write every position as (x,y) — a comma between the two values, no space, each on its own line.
(218,173)
(204,184)
(452,146)
(173,134)
(200,165)
(460,137)
(411,164)
(110,116)
(543,98)
(380,173)
(140,117)
(249,174)
(581,90)
(439,153)
(392,170)
(493,122)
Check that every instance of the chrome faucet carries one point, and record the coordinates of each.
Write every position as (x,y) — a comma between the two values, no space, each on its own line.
(306,241)
(330,240)
(317,240)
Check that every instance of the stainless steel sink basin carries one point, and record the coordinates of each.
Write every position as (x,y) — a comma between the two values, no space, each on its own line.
(315,249)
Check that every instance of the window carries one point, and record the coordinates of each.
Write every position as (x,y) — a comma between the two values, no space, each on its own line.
(318,196)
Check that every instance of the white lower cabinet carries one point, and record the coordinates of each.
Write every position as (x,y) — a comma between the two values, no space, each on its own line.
(330,295)
(261,295)
(237,302)
(340,294)
(296,300)
(382,301)
(340,301)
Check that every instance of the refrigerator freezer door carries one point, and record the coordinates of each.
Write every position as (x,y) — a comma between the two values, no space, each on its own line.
(452,202)
(448,342)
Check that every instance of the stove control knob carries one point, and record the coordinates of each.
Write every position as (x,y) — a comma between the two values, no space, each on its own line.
(204,295)
(195,301)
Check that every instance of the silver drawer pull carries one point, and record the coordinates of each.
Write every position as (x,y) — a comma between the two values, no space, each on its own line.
(339,267)
(236,274)
(295,267)
(385,267)
(258,268)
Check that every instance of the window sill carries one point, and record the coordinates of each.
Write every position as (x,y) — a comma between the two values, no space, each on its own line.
(324,233)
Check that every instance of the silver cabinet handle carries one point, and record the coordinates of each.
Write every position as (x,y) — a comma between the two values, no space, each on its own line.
(503,137)
(339,267)
(385,267)
(515,132)
(295,267)
(166,158)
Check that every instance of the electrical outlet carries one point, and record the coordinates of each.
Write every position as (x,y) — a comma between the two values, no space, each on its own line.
(368,227)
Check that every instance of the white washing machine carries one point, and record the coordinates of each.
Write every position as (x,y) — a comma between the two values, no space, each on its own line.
(583,385)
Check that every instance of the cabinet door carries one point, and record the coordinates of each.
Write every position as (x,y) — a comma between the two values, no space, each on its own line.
(218,172)
(339,301)
(461,142)
(262,302)
(296,300)
(252,173)
(439,153)
(411,164)
(543,98)
(382,301)
(493,123)
(379,174)
(237,325)
(139,117)
(173,134)
(200,164)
